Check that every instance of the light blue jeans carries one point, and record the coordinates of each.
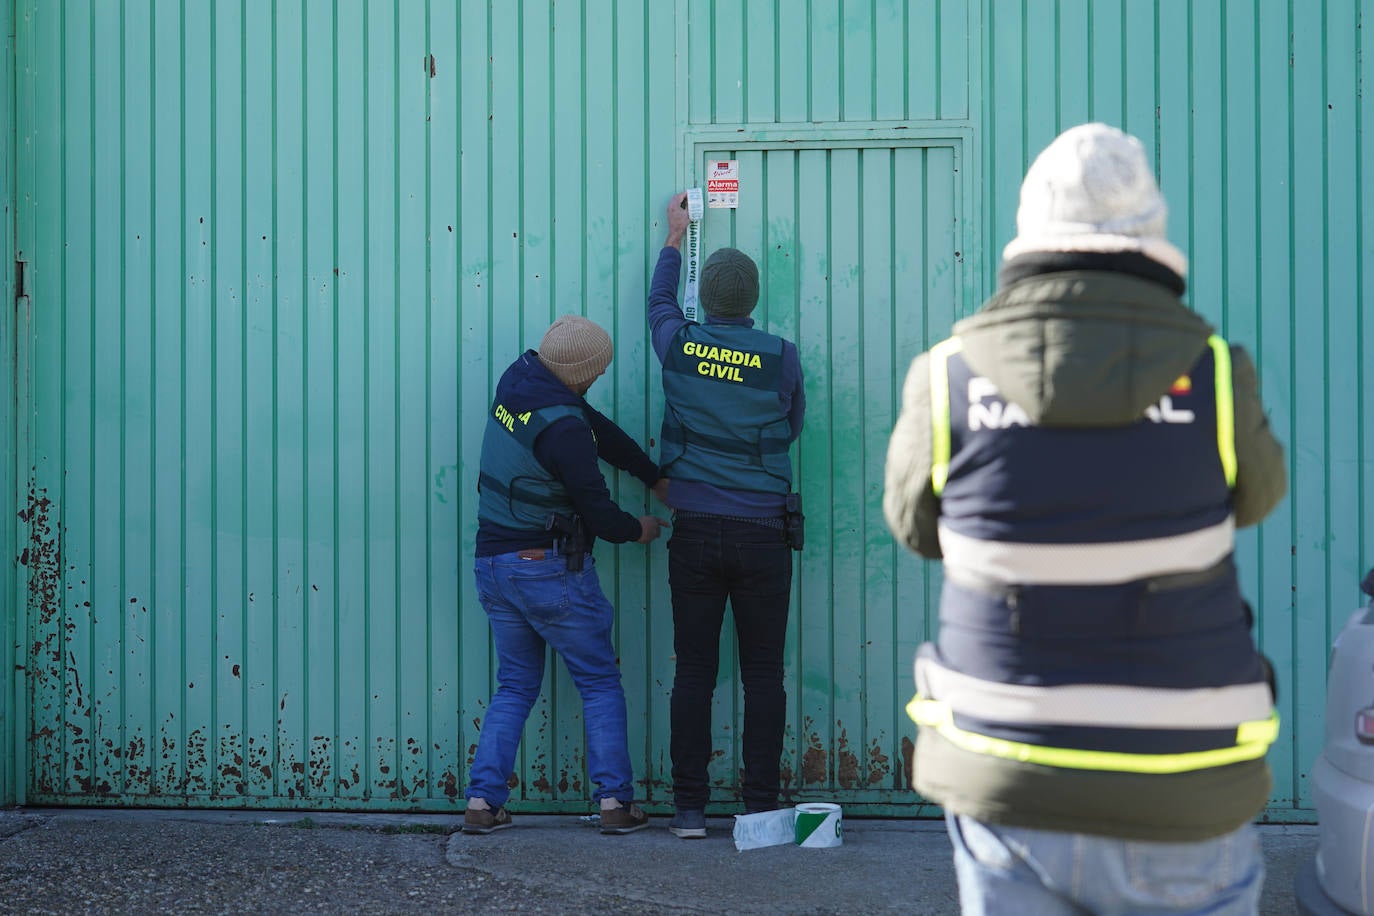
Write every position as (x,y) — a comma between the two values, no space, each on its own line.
(1045,873)
(531,604)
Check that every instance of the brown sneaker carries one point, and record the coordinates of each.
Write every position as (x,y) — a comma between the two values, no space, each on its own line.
(625,819)
(482,821)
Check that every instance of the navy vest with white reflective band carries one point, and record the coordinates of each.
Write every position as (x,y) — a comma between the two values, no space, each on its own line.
(1091,616)
(723,421)
(516,491)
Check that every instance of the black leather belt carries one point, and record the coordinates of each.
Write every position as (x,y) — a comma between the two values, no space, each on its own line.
(766,522)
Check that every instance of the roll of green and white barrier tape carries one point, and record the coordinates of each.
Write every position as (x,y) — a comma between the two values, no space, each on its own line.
(818,825)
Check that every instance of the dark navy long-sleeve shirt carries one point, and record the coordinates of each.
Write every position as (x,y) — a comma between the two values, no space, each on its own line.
(665,320)
(569,450)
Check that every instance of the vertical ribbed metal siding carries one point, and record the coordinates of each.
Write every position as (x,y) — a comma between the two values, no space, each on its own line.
(277,461)
(281,255)
(11,593)
(1253,116)
(801,61)
(859,250)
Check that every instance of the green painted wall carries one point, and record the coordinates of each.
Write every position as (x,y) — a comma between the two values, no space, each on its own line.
(279,254)
(11,597)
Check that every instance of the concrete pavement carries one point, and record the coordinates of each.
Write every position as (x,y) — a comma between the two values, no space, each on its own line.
(125,861)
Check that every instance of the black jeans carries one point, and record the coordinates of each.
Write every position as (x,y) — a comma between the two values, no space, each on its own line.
(710,560)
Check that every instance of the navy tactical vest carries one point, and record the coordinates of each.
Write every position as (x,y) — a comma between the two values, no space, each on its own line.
(723,422)
(516,491)
(1091,617)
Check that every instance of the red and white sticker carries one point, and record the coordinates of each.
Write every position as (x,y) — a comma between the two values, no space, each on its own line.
(722,183)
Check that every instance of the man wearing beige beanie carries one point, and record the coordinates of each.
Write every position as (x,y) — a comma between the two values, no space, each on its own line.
(1094,713)
(543,503)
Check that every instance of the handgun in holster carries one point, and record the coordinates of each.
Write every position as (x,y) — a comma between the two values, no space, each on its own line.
(569,539)
(794,522)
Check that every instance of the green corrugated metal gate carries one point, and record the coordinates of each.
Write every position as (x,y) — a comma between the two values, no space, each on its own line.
(274,256)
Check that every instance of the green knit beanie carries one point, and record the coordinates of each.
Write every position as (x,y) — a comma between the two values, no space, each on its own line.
(729,286)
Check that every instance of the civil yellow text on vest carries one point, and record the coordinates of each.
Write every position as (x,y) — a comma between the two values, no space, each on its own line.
(715,370)
(507,419)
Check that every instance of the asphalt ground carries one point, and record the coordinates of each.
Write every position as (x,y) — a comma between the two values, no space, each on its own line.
(71,860)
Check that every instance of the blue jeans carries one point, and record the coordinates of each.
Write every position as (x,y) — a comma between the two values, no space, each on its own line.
(1045,873)
(710,561)
(531,604)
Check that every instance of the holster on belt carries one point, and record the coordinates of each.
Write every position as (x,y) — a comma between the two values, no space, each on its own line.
(570,539)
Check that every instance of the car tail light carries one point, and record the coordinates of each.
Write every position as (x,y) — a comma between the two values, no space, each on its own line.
(1364,725)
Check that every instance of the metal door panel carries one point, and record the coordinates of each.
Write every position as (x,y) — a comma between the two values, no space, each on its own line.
(859,247)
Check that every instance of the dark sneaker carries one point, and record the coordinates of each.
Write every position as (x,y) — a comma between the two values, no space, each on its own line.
(689,824)
(625,819)
(478,821)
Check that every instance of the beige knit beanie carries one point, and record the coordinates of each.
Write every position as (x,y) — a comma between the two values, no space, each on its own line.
(575,349)
(1092,189)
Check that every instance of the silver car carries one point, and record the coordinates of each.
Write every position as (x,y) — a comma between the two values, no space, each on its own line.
(1341,878)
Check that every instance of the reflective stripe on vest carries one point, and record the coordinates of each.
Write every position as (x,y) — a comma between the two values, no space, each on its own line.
(1226,408)
(1094,705)
(1252,742)
(1106,563)
(939,409)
